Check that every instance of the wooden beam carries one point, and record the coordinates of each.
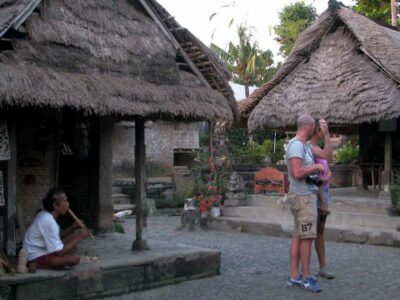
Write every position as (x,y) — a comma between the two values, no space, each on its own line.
(387,169)
(170,36)
(140,242)
(11,204)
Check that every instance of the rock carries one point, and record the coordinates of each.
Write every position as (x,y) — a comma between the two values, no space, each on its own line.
(354,237)
(381,238)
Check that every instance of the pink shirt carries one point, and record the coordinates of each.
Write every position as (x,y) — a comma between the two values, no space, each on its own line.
(325,174)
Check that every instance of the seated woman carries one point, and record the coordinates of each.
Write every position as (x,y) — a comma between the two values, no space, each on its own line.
(43,242)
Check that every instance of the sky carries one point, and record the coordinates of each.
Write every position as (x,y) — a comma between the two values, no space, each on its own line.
(262,15)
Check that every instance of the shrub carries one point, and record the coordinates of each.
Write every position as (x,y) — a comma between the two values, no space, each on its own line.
(395,196)
(119,228)
(347,154)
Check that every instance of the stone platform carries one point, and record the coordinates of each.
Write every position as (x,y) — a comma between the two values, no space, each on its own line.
(357,217)
(119,271)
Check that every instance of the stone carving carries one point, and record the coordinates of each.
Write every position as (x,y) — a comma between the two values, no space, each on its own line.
(4,142)
(235,196)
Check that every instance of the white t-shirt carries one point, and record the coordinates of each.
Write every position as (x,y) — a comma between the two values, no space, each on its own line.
(43,236)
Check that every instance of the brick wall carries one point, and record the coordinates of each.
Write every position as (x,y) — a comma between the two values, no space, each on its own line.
(36,166)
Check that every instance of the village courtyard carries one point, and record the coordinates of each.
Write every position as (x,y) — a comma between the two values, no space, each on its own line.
(168,149)
(255,267)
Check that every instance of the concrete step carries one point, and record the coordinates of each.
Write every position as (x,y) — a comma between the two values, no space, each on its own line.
(338,203)
(120,199)
(116,190)
(281,214)
(336,233)
(121,207)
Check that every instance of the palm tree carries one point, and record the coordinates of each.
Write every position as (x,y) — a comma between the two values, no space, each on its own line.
(248,64)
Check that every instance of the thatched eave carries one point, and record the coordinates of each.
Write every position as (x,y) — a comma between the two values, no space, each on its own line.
(203,59)
(100,57)
(24,84)
(376,51)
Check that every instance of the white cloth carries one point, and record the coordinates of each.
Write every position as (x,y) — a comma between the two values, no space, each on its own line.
(43,236)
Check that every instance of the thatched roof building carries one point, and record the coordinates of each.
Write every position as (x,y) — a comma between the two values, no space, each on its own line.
(345,68)
(105,57)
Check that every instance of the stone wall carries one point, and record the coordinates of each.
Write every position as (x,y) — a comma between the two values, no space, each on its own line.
(159,148)
(162,138)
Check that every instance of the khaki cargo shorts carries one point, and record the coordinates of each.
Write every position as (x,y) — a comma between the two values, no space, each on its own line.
(304,210)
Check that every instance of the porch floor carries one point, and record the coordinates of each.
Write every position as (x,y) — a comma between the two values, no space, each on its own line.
(119,271)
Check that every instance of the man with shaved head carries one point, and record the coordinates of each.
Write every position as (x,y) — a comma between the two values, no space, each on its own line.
(303,177)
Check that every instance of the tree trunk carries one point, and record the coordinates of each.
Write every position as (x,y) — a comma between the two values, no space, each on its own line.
(246,90)
(394,12)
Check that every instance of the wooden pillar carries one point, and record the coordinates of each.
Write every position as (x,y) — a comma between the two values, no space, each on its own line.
(387,127)
(105,223)
(387,170)
(393,6)
(11,204)
(140,242)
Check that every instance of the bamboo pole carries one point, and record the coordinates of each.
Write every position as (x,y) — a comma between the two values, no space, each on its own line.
(80,223)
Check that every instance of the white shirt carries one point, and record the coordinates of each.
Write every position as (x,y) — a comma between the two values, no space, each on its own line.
(43,236)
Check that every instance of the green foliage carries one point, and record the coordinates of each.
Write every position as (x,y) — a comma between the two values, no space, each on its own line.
(204,140)
(378,10)
(245,151)
(248,63)
(248,154)
(294,19)
(251,153)
(237,137)
(347,154)
(119,228)
(395,196)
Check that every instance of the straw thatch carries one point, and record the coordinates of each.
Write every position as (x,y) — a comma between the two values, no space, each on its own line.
(102,57)
(345,68)
(211,67)
(10,11)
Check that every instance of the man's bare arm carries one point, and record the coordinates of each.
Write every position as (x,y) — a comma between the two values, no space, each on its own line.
(73,242)
(299,172)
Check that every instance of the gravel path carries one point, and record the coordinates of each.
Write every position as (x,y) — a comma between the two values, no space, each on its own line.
(256,267)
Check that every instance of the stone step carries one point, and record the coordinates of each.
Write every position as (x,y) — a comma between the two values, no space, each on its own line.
(120,199)
(340,218)
(336,204)
(336,233)
(121,207)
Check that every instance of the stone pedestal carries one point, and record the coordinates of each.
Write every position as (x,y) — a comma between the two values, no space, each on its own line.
(192,220)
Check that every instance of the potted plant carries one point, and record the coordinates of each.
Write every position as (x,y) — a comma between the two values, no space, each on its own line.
(216,209)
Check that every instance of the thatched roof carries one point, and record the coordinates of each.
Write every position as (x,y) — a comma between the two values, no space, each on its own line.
(206,61)
(345,68)
(13,11)
(102,57)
